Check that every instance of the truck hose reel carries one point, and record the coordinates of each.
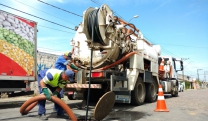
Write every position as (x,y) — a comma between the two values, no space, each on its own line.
(92,21)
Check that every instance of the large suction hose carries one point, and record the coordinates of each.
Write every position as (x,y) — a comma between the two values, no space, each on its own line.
(119,61)
(32,102)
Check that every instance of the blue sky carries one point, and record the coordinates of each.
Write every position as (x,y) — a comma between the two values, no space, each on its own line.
(179,26)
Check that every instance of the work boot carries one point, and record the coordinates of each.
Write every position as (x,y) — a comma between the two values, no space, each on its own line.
(43,117)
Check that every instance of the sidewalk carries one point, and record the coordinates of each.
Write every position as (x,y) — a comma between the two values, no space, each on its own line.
(14,100)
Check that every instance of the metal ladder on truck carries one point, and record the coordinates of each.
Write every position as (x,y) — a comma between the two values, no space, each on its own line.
(123,94)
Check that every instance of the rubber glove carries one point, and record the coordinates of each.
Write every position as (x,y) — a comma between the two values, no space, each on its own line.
(55,93)
(74,67)
(46,93)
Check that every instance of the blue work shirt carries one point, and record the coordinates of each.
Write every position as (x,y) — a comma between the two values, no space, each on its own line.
(61,63)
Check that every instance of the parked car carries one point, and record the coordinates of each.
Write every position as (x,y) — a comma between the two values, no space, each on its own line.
(180,87)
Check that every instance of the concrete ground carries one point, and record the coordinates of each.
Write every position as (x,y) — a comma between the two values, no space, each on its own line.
(191,105)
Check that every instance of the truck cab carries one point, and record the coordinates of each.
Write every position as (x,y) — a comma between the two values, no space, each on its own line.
(168,68)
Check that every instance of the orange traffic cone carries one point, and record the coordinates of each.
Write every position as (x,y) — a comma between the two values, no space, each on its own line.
(161,67)
(161,106)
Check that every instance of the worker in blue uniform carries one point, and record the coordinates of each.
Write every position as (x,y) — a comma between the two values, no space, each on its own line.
(61,64)
(54,80)
(61,61)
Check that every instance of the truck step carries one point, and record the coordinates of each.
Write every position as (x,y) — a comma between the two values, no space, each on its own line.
(115,79)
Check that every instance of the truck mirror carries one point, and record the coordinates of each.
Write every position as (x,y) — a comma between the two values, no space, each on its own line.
(181,65)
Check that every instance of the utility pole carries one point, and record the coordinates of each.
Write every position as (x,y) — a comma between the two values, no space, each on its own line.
(198,74)
(183,59)
(205,75)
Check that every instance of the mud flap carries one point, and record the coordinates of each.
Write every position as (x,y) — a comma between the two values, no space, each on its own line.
(104,105)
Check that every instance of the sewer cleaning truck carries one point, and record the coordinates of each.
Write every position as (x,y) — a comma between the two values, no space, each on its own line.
(17,52)
(116,57)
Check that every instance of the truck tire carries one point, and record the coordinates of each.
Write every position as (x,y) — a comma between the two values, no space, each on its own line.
(151,92)
(139,92)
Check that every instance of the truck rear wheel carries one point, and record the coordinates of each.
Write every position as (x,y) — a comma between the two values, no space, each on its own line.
(151,92)
(139,92)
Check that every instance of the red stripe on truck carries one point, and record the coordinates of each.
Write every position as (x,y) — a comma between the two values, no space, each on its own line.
(26,21)
(10,67)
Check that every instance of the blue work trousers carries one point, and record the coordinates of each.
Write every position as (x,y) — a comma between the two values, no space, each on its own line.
(62,93)
(41,103)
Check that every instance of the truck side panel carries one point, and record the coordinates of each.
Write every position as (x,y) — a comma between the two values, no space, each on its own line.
(17,48)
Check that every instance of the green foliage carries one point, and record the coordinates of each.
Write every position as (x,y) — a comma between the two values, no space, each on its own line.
(187,83)
(17,40)
(198,81)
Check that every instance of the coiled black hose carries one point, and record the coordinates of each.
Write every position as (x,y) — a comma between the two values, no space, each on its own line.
(92,21)
(132,32)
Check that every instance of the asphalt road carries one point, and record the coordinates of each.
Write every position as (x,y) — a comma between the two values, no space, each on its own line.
(190,105)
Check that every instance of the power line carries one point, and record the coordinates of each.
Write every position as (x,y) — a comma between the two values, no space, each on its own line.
(55,29)
(96,2)
(59,8)
(182,45)
(168,52)
(49,49)
(163,49)
(45,12)
(99,3)
(37,17)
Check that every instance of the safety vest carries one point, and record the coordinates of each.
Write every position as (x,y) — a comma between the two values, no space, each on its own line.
(56,82)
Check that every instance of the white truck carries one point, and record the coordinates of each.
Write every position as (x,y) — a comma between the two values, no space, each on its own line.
(118,58)
(168,68)
(17,52)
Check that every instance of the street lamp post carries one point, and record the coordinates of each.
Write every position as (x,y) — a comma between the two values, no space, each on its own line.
(205,72)
(136,16)
(198,73)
